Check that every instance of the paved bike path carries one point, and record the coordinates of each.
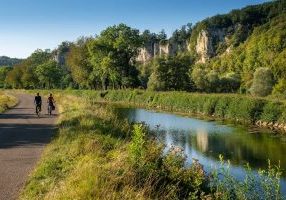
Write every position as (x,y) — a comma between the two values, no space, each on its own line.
(22,138)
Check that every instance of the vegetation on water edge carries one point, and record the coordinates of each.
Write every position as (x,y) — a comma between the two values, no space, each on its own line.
(241,108)
(7,101)
(96,155)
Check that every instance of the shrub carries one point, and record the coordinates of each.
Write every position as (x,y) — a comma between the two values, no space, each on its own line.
(199,76)
(137,145)
(262,82)
(213,82)
(264,185)
(230,82)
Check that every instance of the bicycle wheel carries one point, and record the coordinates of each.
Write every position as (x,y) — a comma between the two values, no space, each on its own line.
(50,110)
(38,111)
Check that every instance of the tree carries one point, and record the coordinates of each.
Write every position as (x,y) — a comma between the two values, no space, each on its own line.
(23,74)
(13,78)
(199,77)
(148,37)
(39,57)
(49,74)
(183,34)
(213,82)
(3,73)
(162,35)
(230,82)
(262,82)
(112,56)
(170,73)
(155,83)
(78,63)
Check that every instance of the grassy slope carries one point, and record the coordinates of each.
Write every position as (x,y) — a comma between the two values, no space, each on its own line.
(89,159)
(96,156)
(7,101)
(87,152)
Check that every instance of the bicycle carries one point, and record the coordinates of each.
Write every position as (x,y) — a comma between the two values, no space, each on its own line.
(50,109)
(38,110)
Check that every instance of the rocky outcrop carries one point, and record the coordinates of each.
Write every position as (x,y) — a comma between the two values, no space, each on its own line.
(163,48)
(217,41)
(207,42)
(210,42)
(146,53)
(60,57)
(204,47)
(60,54)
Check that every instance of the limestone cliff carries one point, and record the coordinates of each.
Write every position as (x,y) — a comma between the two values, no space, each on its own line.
(212,42)
(209,41)
(204,47)
(163,48)
(60,54)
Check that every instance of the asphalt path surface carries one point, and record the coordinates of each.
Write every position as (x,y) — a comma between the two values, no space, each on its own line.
(23,135)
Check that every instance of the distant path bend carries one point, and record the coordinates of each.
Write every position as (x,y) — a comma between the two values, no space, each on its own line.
(22,138)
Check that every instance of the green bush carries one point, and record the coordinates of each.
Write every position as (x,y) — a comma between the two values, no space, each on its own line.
(262,82)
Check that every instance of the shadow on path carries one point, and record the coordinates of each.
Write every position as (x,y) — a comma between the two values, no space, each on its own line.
(25,116)
(30,135)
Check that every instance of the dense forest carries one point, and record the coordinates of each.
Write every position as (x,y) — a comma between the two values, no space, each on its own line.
(249,58)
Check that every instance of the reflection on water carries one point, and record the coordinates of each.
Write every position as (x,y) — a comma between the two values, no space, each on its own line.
(202,141)
(206,140)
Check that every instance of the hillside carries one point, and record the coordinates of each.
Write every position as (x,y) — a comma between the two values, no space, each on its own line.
(216,35)
(6,61)
(265,47)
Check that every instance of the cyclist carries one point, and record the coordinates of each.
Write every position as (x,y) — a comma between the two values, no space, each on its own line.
(51,102)
(38,102)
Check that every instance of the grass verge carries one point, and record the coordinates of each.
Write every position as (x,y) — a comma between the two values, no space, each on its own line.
(95,155)
(7,101)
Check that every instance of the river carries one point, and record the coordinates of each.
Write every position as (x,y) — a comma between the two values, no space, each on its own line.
(206,140)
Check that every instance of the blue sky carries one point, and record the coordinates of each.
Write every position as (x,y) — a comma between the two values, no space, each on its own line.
(30,24)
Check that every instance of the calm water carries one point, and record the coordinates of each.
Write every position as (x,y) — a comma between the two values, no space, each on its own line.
(206,140)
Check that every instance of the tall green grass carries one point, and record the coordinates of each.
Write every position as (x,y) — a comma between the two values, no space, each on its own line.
(96,155)
(241,108)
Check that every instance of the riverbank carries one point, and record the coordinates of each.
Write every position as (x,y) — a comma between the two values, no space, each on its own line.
(96,155)
(262,112)
(7,101)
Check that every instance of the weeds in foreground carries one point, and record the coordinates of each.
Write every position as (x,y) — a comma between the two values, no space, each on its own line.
(172,180)
(256,186)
